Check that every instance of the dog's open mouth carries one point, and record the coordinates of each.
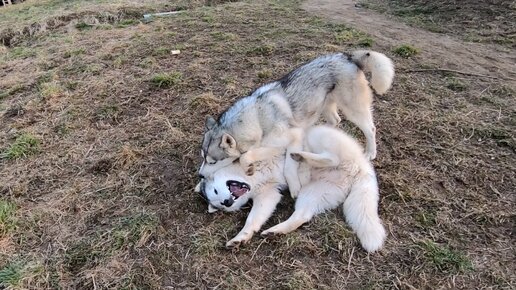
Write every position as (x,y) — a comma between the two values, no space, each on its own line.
(237,188)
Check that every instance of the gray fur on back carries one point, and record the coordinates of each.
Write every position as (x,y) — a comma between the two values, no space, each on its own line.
(297,98)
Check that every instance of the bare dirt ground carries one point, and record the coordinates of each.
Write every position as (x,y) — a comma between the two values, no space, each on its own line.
(100,127)
(440,50)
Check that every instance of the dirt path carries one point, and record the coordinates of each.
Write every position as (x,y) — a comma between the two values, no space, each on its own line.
(436,49)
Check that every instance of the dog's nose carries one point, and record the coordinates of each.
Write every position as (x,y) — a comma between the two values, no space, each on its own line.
(201,176)
(227,202)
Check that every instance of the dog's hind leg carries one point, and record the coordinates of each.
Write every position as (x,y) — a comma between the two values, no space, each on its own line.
(363,118)
(291,167)
(318,160)
(264,205)
(313,199)
(331,113)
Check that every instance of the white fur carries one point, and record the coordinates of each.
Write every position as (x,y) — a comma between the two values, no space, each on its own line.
(380,67)
(333,170)
(340,174)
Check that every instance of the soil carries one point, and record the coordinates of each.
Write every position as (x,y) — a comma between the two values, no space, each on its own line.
(103,196)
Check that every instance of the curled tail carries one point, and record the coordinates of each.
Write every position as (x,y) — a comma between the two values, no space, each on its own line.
(361,211)
(380,67)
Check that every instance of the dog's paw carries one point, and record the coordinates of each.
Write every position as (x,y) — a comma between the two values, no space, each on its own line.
(249,171)
(270,232)
(247,164)
(236,242)
(294,190)
(297,156)
(212,209)
(233,245)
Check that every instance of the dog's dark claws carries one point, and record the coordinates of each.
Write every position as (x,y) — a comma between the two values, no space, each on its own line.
(297,157)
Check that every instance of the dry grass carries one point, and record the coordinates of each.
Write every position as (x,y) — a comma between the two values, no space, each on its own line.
(107,201)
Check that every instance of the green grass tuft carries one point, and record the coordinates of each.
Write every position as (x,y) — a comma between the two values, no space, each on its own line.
(166,80)
(406,50)
(261,50)
(83,26)
(134,230)
(127,22)
(426,219)
(264,74)
(456,85)
(350,36)
(24,145)
(7,221)
(74,52)
(21,53)
(366,42)
(108,112)
(11,91)
(445,259)
(11,274)
(51,90)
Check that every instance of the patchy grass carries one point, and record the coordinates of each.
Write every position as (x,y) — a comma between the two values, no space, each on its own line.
(166,80)
(264,74)
(7,220)
(74,52)
(51,90)
(126,23)
(261,50)
(83,26)
(406,50)
(110,204)
(21,52)
(24,146)
(350,36)
(455,84)
(11,274)
(445,259)
(11,91)
(108,112)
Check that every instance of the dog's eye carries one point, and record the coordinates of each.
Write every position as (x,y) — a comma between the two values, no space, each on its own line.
(216,192)
(213,162)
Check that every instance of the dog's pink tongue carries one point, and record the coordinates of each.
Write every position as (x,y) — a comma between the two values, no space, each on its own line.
(237,191)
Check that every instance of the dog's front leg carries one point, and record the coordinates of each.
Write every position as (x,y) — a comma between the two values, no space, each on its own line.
(254,155)
(264,205)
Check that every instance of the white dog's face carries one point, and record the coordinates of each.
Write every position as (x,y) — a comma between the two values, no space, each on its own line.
(227,189)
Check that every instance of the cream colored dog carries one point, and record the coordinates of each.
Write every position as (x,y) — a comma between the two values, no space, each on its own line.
(333,170)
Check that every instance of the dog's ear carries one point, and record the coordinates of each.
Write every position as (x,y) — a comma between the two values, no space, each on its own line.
(212,209)
(210,123)
(227,142)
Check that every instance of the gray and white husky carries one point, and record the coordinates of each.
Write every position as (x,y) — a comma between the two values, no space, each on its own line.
(333,171)
(318,88)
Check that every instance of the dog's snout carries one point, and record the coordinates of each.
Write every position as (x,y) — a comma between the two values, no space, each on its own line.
(227,202)
(201,176)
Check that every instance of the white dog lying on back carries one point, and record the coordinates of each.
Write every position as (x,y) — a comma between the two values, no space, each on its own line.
(333,171)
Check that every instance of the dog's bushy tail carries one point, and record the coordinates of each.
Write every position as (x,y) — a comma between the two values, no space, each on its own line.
(380,67)
(361,211)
